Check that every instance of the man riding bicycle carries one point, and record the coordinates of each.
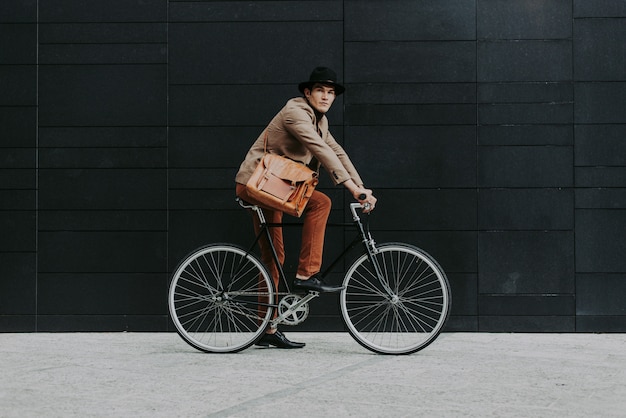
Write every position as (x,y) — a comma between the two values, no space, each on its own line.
(300,132)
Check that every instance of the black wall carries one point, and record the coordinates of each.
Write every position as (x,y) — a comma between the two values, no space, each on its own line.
(493,132)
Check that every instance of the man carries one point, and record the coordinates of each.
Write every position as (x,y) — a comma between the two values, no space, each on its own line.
(300,132)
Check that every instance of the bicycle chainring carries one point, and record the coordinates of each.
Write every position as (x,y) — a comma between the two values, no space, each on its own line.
(293,316)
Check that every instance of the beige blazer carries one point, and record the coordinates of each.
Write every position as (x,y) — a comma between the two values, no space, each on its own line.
(296,133)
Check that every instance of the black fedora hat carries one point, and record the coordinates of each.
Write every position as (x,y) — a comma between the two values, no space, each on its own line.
(322,75)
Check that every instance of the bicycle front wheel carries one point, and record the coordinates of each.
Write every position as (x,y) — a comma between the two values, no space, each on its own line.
(400,309)
(221,298)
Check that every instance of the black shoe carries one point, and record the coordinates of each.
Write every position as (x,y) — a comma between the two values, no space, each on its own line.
(315,284)
(279,340)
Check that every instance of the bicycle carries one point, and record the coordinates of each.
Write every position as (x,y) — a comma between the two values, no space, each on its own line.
(395,297)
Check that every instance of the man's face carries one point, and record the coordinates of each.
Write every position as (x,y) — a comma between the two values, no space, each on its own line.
(320,97)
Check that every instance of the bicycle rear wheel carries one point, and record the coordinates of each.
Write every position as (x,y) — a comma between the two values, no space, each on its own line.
(220,299)
(404,310)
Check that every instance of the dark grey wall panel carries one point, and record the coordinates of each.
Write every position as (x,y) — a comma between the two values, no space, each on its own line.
(140,220)
(447,209)
(464,288)
(267,11)
(17,199)
(102,158)
(103,54)
(527,323)
(525,166)
(210,147)
(19,323)
(18,284)
(16,83)
(524,61)
(18,126)
(599,8)
(599,241)
(430,156)
(600,294)
(525,135)
(525,209)
(600,145)
(72,95)
(411,93)
(71,189)
(103,11)
(193,51)
(525,113)
(524,19)
(17,42)
(102,137)
(599,198)
(526,262)
(435,114)
(97,33)
(526,92)
(18,231)
(371,62)
(410,20)
(104,293)
(22,178)
(597,57)
(17,158)
(603,323)
(194,179)
(102,323)
(600,176)
(205,198)
(600,102)
(456,251)
(189,229)
(102,252)
(18,11)
(522,305)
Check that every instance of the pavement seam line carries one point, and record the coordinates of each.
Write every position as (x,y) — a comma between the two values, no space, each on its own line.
(282,393)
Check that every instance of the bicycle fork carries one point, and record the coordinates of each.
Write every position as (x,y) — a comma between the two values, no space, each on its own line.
(370,248)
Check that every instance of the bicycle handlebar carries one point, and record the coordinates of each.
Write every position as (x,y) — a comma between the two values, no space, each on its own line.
(357,205)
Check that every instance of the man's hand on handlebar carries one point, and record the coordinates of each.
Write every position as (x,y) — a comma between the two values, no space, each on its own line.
(366,198)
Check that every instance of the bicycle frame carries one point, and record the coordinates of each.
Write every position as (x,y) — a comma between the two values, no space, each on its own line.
(363,236)
(394,299)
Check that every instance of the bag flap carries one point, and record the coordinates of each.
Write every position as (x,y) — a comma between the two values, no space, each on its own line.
(287,169)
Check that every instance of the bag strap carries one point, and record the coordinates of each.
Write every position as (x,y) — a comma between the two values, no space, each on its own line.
(265,153)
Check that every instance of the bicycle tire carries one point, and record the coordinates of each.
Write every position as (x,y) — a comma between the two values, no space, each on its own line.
(219,298)
(406,311)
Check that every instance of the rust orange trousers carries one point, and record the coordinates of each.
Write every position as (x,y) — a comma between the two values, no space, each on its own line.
(315,217)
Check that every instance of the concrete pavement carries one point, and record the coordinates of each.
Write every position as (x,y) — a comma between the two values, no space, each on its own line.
(459,375)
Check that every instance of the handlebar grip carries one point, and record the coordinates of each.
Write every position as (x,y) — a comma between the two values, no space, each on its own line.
(362,196)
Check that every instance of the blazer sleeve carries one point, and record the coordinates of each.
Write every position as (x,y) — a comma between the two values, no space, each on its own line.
(345,160)
(300,123)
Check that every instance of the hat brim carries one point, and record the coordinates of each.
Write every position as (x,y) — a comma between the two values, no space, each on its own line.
(339,89)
